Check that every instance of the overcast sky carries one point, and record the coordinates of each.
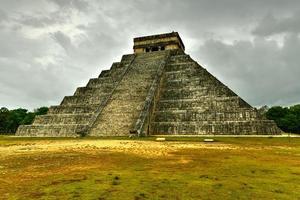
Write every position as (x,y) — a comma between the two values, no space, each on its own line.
(48,48)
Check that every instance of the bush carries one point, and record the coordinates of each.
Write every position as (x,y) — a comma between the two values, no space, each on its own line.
(286,118)
(11,119)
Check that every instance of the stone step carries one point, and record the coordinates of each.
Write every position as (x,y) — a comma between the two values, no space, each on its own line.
(187,74)
(116,65)
(205,102)
(96,82)
(127,59)
(73,100)
(151,56)
(104,73)
(81,91)
(214,127)
(181,66)
(200,115)
(73,109)
(52,130)
(211,89)
(180,59)
(124,107)
(116,74)
(201,81)
(119,129)
(121,118)
(62,119)
(194,93)
(187,69)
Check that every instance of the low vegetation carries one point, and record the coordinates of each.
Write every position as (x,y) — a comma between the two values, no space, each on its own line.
(11,119)
(286,118)
(184,168)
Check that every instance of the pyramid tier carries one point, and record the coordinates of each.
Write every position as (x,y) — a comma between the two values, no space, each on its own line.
(63,119)
(192,101)
(75,115)
(260,127)
(51,130)
(197,115)
(205,102)
(72,109)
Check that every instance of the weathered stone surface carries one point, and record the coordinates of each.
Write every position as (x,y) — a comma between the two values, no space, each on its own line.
(75,115)
(161,92)
(192,101)
(125,105)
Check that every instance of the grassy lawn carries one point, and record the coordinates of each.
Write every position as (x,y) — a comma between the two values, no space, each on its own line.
(181,168)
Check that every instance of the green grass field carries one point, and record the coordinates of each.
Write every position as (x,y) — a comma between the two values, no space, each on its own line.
(118,168)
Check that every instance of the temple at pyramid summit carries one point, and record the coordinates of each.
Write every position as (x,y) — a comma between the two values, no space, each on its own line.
(157,90)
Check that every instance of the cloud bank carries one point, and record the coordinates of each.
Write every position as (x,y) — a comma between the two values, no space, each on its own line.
(50,47)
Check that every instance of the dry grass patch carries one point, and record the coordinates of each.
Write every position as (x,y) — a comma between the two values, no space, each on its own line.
(231,168)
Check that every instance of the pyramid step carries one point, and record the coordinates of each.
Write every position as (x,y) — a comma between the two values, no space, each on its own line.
(103,85)
(194,92)
(200,115)
(186,74)
(207,86)
(151,56)
(219,127)
(121,129)
(189,71)
(181,66)
(116,118)
(73,109)
(205,102)
(81,91)
(201,81)
(116,74)
(96,82)
(73,100)
(116,65)
(62,119)
(104,73)
(180,59)
(127,59)
(52,130)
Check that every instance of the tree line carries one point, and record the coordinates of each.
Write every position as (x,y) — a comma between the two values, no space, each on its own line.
(11,119)
(286,118)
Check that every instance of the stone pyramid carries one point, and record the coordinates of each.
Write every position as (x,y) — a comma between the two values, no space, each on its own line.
(157,90)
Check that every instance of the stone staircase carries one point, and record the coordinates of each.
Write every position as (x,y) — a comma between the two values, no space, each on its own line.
(192,101)
(156,93)
(75,115)
(126,103)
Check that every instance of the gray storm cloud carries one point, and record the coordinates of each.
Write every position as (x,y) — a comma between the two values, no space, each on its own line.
(50,47)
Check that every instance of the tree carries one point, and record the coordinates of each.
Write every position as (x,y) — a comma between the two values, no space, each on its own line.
(288,119)
(41,111)
(4,114)
(15,118)
(28,119)
(11,119)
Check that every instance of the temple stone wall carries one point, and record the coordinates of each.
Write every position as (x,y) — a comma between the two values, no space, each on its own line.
(125,105)
(74,116)
(158,93)
(193,102)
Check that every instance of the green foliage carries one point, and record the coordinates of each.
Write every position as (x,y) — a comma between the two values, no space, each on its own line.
(11,119)
(4,114)
(41,111)
(288,119)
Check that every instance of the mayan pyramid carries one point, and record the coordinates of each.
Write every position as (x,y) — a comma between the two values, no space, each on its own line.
(157,90)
